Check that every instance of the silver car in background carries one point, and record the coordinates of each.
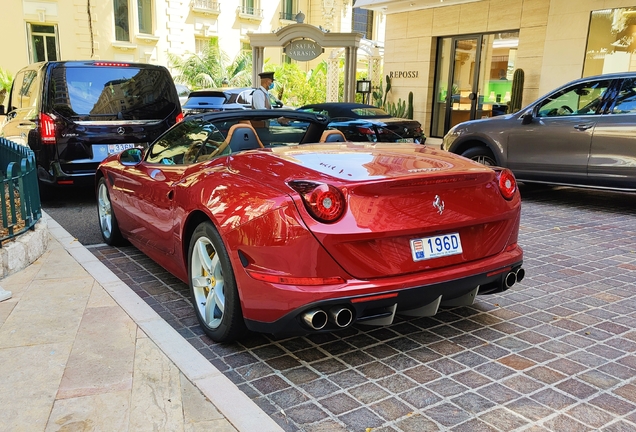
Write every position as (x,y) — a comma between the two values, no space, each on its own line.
(581,134)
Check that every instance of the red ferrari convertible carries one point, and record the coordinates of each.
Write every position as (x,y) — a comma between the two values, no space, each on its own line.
(282,227)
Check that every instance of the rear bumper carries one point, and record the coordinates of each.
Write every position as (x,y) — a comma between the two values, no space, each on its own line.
(83,176)
(381,307)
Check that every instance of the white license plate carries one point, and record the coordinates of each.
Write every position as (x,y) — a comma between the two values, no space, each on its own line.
(116,148)
(408,140)
(435,247)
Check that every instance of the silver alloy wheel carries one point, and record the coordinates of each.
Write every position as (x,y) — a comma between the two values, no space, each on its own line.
(484,160)
(207,282)
(104,211)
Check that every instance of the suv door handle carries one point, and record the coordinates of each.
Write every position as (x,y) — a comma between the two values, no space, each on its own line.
(583,127)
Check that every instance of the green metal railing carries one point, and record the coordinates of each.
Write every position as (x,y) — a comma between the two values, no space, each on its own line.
(21,207)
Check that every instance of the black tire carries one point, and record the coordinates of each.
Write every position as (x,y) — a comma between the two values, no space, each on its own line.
(482,155)
(48,193)
(213,287)
(108,225)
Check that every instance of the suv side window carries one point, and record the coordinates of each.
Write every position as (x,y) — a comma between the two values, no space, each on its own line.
(626,100)
(245,97)
(580,99)
(15,101)
(29,90)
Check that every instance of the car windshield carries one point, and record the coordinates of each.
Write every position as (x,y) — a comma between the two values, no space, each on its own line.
(105,93)
(199,139)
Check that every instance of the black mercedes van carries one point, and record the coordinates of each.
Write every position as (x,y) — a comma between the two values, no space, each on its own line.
(73,114)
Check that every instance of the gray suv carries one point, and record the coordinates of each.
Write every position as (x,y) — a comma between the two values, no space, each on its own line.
(581,134)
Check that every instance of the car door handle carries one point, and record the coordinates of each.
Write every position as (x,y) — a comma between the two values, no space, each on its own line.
(583,127)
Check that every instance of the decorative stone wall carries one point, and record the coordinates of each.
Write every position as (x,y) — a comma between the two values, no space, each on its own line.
(17,254)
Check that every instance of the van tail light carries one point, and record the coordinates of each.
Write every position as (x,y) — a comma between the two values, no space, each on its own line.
(507,183)
(179,117)
(47,129)
(324,202)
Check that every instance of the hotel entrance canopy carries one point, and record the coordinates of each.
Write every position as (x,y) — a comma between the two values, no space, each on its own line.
(300,31)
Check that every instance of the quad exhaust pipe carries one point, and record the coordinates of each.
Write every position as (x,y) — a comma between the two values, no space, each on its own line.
(341,316)
(317,319)
(514,277)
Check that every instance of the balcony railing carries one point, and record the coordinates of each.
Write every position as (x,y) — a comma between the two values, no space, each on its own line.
(288,16)
(209,7)
(21,207)
(250,12)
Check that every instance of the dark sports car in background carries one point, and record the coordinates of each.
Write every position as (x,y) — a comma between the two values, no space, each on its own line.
(361,122)
(280,233)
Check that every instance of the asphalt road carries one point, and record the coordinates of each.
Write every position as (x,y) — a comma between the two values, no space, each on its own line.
(76,210)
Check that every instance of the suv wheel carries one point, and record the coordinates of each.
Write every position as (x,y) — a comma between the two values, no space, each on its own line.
(480,154)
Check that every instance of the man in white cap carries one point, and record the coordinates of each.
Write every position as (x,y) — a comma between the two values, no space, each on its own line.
(260,97)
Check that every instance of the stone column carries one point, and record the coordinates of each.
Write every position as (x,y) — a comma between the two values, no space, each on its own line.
(332,78)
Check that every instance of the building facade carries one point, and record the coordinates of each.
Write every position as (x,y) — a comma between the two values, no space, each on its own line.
(147,30)
(458,57)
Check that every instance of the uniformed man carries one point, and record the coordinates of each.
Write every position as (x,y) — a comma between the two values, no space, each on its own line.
(260,97)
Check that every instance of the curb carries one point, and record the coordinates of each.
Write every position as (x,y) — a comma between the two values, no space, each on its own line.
(24,249)
(243,413)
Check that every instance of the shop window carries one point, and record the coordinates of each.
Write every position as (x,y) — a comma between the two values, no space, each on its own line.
(44,43)
(363,22)
(122,29)
(611,42)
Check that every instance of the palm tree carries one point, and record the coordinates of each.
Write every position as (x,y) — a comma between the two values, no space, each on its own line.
(5,83)
(212,68)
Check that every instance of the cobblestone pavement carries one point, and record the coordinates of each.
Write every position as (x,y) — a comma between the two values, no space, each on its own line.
(555,352)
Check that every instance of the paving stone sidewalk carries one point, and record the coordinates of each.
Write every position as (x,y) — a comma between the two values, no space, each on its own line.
(556,352)
(73,360)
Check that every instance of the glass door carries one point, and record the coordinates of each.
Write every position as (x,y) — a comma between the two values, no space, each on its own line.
(463,83)
(473,78)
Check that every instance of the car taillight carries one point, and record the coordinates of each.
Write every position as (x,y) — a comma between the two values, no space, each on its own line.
(47,129)
(179,117)
(288,280)
(366,131)
(507,183)
(324,202)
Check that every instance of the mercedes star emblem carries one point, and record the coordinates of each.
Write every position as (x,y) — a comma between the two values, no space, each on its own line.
(121,130)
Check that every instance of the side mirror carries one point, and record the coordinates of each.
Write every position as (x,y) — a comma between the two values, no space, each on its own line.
(526,119)
(131,156)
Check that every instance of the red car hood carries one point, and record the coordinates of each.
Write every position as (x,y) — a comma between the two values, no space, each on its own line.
(391,190)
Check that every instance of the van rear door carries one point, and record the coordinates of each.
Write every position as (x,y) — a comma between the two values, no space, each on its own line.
(101,108)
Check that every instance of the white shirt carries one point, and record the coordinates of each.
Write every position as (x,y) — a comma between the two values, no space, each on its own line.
(260,99)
